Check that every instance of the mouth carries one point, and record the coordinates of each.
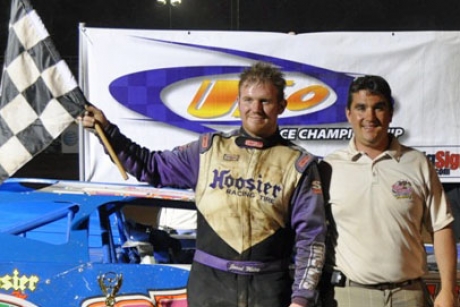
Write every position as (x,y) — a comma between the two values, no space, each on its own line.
(370,126)
(257,118)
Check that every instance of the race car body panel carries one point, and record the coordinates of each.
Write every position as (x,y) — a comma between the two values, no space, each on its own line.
(67,243)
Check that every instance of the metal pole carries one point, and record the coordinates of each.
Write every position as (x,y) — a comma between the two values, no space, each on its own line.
(81,130)
(237,15)
(170,14)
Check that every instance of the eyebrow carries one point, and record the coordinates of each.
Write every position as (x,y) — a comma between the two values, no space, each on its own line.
(377,104)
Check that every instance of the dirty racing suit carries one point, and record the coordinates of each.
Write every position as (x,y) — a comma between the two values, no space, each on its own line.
(257,201)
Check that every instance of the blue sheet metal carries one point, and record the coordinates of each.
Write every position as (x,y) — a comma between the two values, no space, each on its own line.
(61,239)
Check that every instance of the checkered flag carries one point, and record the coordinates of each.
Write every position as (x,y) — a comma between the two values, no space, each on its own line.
(39,95)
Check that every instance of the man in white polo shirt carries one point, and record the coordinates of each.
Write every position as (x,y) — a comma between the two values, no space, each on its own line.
(381,195)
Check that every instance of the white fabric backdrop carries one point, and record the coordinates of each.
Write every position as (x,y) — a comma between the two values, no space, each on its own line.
(421,67)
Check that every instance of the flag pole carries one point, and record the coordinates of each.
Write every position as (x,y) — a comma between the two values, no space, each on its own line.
(81,151)
(109,148)
(83,86)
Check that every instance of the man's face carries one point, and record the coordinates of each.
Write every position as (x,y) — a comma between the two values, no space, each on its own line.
(370,116)
(259,108)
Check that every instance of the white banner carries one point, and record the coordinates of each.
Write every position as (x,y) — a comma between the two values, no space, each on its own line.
(163,88)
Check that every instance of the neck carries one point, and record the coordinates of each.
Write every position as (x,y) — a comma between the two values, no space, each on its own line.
(375,151)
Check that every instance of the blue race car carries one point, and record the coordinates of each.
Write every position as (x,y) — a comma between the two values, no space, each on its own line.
(71,243)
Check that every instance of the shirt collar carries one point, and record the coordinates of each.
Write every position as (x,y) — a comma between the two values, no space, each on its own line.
(393,151)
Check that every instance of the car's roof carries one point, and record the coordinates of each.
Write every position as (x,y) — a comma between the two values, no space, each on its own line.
(26,204)
(88,195)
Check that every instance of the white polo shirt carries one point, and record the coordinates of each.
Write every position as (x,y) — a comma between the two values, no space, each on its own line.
(380,207)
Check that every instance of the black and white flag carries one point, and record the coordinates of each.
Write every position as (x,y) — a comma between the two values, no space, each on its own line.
(39,95)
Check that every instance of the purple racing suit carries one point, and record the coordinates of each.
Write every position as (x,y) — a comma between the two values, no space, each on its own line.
(259,209)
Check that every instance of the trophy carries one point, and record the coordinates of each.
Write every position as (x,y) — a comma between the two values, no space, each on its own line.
(110,284)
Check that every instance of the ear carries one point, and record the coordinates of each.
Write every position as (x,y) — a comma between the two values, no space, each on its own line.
(348,114)
(282,106)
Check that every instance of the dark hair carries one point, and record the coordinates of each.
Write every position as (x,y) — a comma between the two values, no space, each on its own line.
(375,85)
(264,72)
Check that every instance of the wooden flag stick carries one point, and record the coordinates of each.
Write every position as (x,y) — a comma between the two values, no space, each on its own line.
(109,148)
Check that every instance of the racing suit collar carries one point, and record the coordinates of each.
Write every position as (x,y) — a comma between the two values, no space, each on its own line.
(247,141)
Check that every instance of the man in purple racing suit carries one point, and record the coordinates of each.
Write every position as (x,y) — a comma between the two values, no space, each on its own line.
(258,196)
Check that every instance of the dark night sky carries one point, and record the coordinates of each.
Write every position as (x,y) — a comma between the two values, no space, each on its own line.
(62,17)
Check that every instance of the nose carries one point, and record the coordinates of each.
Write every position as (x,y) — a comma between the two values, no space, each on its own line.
(257,106)
(370,114)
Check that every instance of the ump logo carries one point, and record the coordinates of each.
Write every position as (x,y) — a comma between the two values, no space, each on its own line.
(195,98)
(402,189)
